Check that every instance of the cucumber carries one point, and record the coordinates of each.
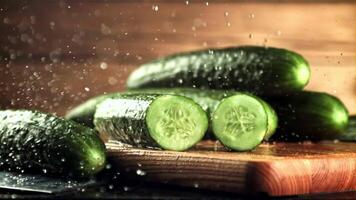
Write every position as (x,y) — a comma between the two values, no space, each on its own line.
(309,115)
(31,141)
(350,133)
(255,69)
(84,113)
(263,124)
(241,122)
(207,99)
(164,121)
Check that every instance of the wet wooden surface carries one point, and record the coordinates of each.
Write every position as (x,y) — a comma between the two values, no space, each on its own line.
(55,54)
(276,169)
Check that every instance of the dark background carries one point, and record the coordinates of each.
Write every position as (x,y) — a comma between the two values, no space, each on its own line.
(55,54)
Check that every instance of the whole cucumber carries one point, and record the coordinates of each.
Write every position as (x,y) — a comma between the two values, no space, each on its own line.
(309,115)
(32,141)
(255,69)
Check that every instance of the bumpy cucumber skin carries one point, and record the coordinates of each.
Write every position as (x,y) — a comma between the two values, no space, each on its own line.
(37,142)
(84,113)
(124,123)
(309,115)
(255,69)
(350,133)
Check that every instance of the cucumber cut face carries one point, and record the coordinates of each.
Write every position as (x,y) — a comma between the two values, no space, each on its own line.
(175,122)
(240,122)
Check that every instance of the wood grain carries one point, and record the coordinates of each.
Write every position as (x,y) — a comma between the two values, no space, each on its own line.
(276,169)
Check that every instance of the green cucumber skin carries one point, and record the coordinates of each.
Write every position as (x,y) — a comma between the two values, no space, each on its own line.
(350,133)
(309,115)
(255,69)
(37,142)
(124,123)
(84,113)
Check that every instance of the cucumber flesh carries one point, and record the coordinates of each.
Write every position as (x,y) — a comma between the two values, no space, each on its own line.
(147,120)
(176,123)
(272,120)
(240,122)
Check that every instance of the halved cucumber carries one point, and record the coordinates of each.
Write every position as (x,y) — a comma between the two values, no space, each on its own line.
(166,121)
(241,122)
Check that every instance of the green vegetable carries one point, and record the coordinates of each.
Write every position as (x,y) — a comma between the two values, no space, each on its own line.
(209,100)
(258,70)
(241,122)
(309,115)
(37,142)
(84,113)
(165,121)
(350,133)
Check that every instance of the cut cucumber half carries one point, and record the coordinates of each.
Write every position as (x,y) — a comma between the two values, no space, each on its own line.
(272,120)
(146,120)
(240,122)
(176,123)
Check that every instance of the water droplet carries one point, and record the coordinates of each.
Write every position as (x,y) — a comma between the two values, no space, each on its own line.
(105,30)
(140,172)
(87,89)
(111,186)
(112,80)
(207,3)
(196,185)
(155,8)
(226,14)
(251,16)
(6,20)
(108,166)
(103,65)
(51,25)
(187,2)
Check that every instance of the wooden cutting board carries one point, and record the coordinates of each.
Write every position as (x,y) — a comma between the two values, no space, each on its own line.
(276,169)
